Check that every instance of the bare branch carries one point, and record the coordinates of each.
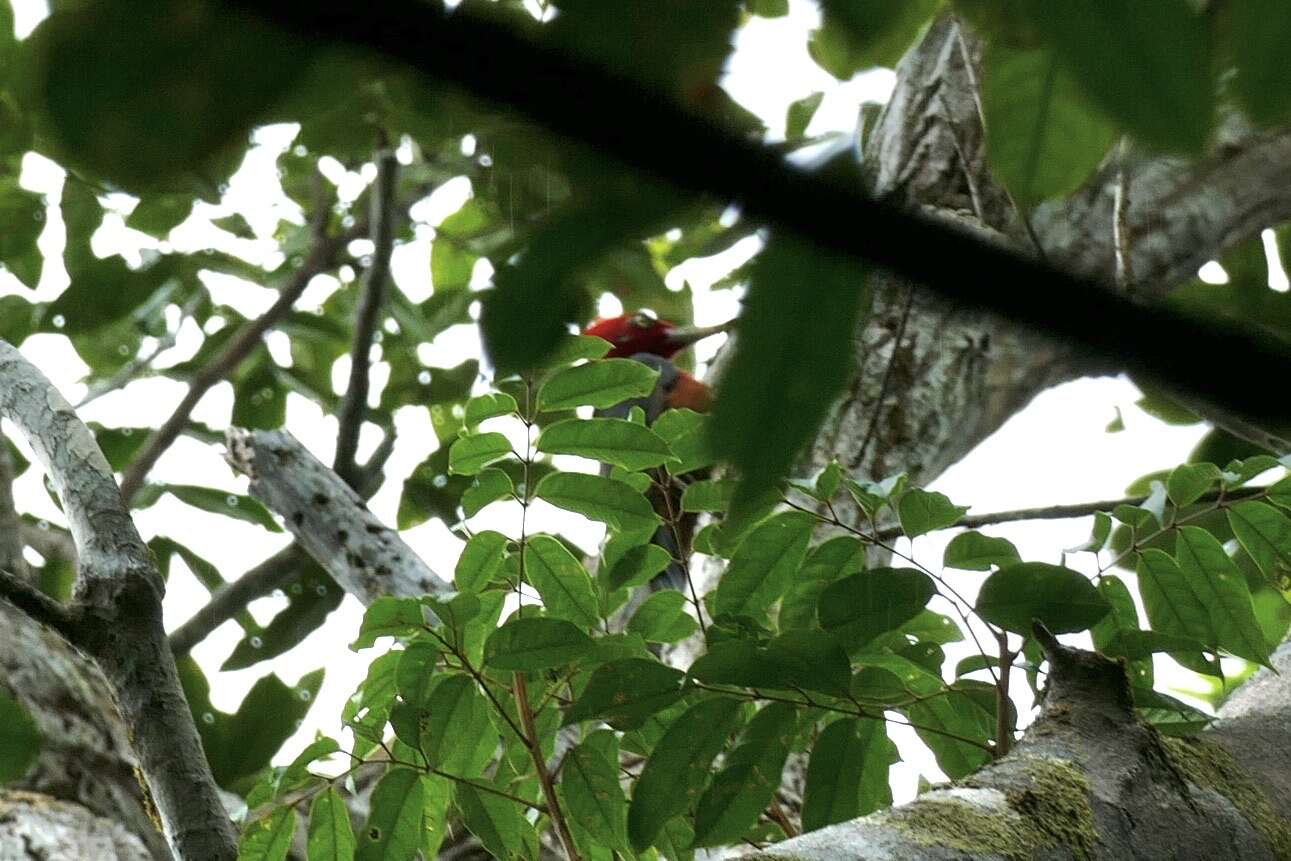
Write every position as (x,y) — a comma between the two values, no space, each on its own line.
(329,519)
(354,408)
(137,367)
(322,256)
(273,573)
(118,613)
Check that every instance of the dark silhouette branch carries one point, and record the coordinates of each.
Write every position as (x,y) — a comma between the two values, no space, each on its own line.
(354,407)
(620,117)
(322,256)
(274,573)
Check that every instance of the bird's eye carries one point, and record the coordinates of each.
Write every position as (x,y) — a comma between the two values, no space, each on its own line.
(643,320)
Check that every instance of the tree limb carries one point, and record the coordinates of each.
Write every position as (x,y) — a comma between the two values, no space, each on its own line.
(354,407)
(118,613)
(329,519)
(322,256)
(273,573)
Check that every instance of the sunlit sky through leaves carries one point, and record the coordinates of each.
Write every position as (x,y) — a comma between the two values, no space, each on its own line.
(1057,450)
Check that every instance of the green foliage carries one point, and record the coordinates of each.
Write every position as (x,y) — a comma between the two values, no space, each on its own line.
(807,644)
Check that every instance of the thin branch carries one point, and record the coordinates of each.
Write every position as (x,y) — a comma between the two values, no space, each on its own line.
(321,257)
(274,573)
(354,407)
(1071,511)
(11,542)
(139,365)
(534,743)
(623,118)
(876,411)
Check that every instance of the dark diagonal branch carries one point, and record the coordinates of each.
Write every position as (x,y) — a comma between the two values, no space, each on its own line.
(622,118)
(116,617)
(274,573)
(322,256)
(354,407)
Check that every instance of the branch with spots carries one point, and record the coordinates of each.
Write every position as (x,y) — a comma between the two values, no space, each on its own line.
(329,519)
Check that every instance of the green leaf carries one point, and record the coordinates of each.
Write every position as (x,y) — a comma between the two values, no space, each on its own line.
(470,454)
(624,693)
(748,782)
(709,494)
(561,580)
(1043,138)
(795,339)
(617,442)
(389,617)
(148,100)
(572,348)
(1188,482)
(799,115)
(498,822)
(1214,576)
(860,607)
(769,8)
(457,735)
(1171,599)
(973,551)
(488,406)
(481,561)
(945,721)
(489,486)
(847,775)
(233,505)
(662,618)
(393,829)
(638,566)
(535,644)
(858,34)
(686,433)
(589,782)
(796,660)
(600,384)
(1258,36)
(764,564)
(1063,599)
(1147,65)
(612,502)
(679,767)
(331,837)
(20,740)
(269,839)
(924,511)
(1265,533)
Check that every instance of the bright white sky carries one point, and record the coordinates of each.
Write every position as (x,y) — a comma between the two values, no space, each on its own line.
(1054,451)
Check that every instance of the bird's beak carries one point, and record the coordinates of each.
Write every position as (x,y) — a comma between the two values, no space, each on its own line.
(687,335)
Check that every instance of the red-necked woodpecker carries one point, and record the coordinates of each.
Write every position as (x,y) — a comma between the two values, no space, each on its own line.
(652,341)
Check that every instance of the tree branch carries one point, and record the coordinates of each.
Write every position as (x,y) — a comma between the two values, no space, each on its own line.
(117,613)
(620,117)
(39,606)
(354,408)
(322,256)
(273,573)
(329,519)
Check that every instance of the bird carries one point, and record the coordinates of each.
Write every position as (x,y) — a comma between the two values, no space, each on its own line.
(646,338)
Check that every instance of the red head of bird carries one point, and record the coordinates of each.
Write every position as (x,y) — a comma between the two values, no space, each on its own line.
(642,332)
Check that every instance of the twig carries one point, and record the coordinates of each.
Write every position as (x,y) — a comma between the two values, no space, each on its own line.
(137,366)
(321,257)
(540,764)
(1003,726)
(1067,512)
(354,407)
(877,409)
(273,573)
